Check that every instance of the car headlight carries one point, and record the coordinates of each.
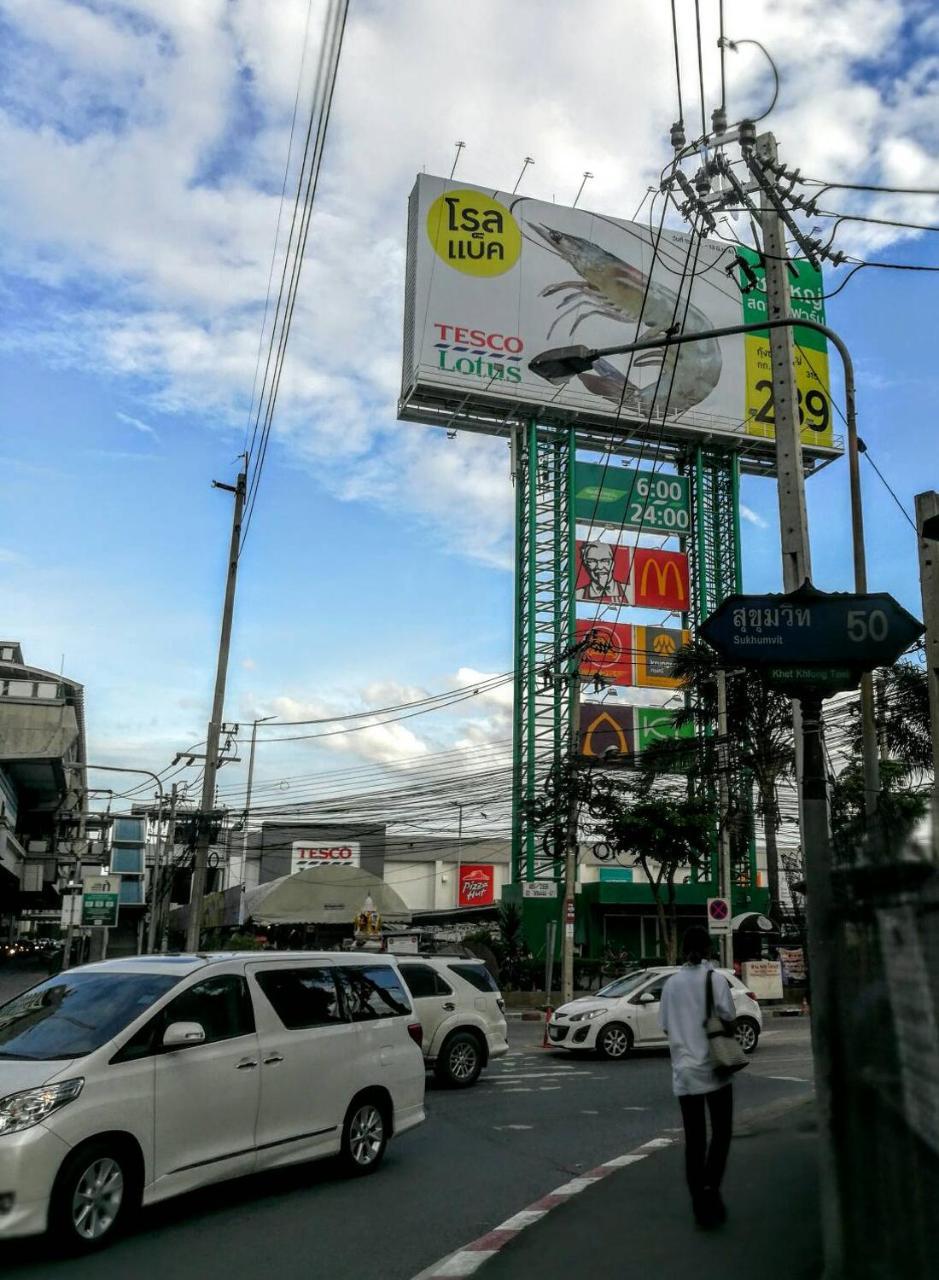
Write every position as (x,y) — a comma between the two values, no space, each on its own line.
(585,1017)
(20,1111)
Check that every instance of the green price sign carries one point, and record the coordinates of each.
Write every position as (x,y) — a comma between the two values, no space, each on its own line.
(101,900)
(627,498)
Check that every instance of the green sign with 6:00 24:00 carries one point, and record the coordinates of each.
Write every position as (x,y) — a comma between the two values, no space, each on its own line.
(627,498)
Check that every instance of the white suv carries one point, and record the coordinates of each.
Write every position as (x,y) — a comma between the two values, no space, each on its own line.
(626,1013)
(462,1014)
(130,1081)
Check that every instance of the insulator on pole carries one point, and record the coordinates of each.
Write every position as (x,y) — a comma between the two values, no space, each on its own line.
(678,135)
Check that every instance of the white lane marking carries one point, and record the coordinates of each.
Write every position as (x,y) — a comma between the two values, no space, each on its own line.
(517,1090)
(620,1162)
(576,1184)
(549,1088)
(794,1079)
(590,1113)
(513,1126)
(635,1108)
(655,1143)
(523,1219)
(465,1262)
(535,1075)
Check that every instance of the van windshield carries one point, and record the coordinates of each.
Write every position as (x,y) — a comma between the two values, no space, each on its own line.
(623,986)
(75,1013)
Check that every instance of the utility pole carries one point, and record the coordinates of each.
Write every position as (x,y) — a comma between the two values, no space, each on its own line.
(164,854)
(927,526)
(570,848)
(201,856)
(816,851)
(726,887)
(244,838)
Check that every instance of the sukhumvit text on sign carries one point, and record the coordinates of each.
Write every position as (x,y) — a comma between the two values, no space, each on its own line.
(627,498)
(339,853)
(495,279)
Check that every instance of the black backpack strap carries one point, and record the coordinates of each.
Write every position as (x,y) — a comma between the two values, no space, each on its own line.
(708,996)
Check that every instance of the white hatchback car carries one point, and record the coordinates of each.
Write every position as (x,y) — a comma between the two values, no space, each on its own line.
(130,1081)
(625,1014)
(462,1013)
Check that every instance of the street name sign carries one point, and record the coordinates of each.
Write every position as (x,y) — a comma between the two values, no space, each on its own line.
(100,900)
(811,641)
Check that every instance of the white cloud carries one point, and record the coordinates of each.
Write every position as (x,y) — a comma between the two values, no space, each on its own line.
(144,143)
(143,427)
(752,517)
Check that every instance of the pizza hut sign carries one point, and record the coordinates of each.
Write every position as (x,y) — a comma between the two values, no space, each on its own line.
(477,885)
(337,854)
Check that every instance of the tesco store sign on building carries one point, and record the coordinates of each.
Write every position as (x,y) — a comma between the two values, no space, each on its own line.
(345,854)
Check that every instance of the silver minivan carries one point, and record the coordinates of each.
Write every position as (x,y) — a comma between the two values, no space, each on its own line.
(130,1081)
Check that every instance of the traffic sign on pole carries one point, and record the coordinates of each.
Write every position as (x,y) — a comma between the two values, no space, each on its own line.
(719,918)
(811,641)
(100,900)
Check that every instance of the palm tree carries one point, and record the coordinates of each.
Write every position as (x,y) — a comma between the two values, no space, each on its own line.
(759,722)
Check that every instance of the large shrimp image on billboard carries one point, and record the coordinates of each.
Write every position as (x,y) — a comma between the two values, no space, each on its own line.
(495,279)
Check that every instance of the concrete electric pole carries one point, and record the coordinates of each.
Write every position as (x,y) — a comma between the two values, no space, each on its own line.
(162,861)
(927,527)
(207,806)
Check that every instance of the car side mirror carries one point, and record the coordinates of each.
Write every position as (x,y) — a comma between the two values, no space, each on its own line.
(648,998)
(180,1035)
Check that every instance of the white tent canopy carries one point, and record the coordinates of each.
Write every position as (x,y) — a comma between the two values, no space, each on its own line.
(323,895)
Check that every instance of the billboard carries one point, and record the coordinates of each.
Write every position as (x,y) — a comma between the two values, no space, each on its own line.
(345,853)
(494,279)
(610,653)
(643,576)
(602,727)
(627,498)
(477,885)
(655,652)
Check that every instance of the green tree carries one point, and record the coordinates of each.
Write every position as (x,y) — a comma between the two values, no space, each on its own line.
(660,834)
(759,724)
(902,803)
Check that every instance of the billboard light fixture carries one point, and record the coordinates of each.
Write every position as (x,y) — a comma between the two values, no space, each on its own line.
(561,363)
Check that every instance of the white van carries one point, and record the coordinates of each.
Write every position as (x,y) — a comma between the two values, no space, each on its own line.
(130,1081)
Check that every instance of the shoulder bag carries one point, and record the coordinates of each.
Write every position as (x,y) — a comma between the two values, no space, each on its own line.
(726,1054)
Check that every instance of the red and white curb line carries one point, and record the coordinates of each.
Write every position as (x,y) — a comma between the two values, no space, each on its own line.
(472,1256)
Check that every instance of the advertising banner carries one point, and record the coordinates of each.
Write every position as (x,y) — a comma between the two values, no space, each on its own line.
(494,279)
(610,654)
(654,724)
(655,650)
(345,854)
(602,727)
(477,885)
(660,579)
(626,498)
(603,573)
(645,577)
(806,293)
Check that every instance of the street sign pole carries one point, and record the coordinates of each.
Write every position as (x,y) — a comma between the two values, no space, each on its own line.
(725,879)
(816,851)
(927,509)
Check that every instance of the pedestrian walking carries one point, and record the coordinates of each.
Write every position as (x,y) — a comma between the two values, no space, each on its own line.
(701,1090)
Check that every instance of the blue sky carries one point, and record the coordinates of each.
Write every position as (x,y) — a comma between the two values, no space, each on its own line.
(145,142)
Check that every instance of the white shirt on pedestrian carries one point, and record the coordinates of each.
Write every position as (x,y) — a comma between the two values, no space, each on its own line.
(682,1017)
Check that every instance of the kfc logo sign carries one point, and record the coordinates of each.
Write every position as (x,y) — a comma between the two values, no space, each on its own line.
(325,855)
(477,886)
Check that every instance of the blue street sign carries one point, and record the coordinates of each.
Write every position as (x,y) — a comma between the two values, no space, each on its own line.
(809,637)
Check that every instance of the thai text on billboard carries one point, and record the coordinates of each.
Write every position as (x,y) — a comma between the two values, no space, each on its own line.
(494,279)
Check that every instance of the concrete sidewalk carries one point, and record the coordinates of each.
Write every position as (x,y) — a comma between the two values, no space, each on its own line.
(637,1222)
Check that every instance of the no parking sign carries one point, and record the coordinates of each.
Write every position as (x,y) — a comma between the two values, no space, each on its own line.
(719,916)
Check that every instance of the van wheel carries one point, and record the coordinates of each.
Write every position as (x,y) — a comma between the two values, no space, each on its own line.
(96,1193)
(614,1041)
(460,1061)
(364,1137)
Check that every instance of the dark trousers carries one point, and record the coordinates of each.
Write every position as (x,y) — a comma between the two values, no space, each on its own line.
(704,1164)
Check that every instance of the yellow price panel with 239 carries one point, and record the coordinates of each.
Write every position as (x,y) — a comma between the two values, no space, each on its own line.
(815,411)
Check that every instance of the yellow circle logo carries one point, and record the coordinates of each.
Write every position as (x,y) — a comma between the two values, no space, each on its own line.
(473,233)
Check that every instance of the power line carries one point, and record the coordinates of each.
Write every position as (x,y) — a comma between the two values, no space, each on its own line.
(863,449)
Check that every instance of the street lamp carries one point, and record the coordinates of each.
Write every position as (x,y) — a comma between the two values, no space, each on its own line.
(561,363)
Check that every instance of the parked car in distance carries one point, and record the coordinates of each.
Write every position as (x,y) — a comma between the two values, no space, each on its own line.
(127,1082)
(625,1015)
(462,1014)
